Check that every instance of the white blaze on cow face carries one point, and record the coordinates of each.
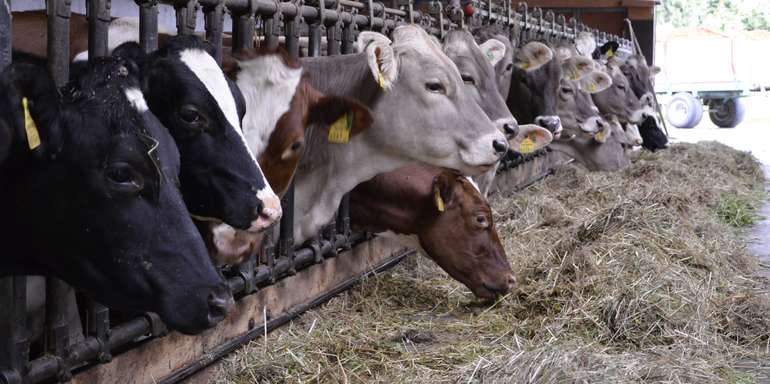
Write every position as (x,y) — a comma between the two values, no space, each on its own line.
(136,98)
(208,72)
(269,86)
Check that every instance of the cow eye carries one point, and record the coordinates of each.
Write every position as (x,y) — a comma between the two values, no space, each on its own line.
(621,87)
(481,220)
(296,146)
(123,177)
(468,79)
(509,67)
(189,114)
(566,90)
(435,87)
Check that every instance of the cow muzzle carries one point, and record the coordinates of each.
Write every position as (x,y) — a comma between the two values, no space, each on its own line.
(551,123)
(268,212)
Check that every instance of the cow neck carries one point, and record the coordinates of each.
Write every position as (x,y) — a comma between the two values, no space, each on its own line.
(343,75)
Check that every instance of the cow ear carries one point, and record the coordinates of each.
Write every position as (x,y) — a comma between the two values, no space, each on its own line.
(602,136)
(231,66)
(576,67)
(335,112)
(380,56)
(443,190)
(533,56)
(585,44)
(530,138)
(654,70)
(29,109)
(595,82)
(493,50)
(132,54)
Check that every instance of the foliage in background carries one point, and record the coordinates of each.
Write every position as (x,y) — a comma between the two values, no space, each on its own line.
(721,15)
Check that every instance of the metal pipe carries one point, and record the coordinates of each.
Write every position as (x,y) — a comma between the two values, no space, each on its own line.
(148,25)
(58,49)
(98,27)
(6,40)
(214,18)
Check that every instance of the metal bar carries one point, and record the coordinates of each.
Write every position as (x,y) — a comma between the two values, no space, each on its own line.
(186,13)
(148,25)
(58,296)
(214,18)
(244,26)
(98,27)
(5,33)
(99,327)
(58,50)
(14,346)
(273,30)
(291,32)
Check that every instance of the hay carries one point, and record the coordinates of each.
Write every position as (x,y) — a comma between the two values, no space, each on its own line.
(635,276)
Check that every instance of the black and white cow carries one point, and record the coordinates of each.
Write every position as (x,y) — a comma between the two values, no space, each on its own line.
(90,195)
(220,177)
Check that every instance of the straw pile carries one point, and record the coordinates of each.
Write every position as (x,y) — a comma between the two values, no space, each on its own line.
(636,276)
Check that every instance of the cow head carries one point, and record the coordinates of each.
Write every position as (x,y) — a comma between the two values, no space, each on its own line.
(504,67)
(639,75)
(281,105)
(476,65)
(430,95)
(574,105)
(534,85)
(90,193)
(475,257)
(619,99)
(221,180)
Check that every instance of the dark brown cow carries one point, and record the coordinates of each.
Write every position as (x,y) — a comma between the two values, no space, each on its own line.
(281,104)
(441,213)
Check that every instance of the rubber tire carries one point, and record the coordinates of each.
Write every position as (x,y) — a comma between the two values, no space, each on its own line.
(727,113)
(684,110)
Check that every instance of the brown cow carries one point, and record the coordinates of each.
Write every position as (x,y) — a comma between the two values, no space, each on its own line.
(442,214)
(280,106)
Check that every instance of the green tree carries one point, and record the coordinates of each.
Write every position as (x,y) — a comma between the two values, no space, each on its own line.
(721,15)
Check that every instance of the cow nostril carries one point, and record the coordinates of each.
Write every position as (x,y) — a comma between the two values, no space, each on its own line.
(258,209)
(500,146)
(220,302)
(511,281)
(511,129)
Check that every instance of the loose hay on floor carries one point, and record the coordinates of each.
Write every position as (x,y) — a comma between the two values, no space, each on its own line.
(636,276)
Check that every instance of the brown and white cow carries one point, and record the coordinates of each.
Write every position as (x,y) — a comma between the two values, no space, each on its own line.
(442,214)
(280,105)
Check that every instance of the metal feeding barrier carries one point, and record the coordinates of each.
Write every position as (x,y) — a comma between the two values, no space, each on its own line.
(306,26)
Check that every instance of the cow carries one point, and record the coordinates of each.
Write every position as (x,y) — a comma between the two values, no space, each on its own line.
(535,85)
(221,179)
(443,215)
(422,113)
(116,225)
(476,65)
(504,66)
(588,137)
(281,103)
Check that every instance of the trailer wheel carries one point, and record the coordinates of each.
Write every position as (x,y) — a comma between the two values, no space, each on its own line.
(727,113)
(684,110)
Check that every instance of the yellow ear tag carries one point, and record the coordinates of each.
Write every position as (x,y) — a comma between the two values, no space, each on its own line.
(575,75)
(439,200)
(610,53)
(527,146)
(524,65)
(339,132)
(600,136)
(381,79)
(592,88)
(33,136)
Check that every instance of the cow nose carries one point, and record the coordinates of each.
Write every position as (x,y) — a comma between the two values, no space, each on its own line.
(258,209)
(500,146)
(511,281)
(220,303)
(551,123)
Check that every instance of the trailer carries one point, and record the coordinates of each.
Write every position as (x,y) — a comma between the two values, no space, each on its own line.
(702,67)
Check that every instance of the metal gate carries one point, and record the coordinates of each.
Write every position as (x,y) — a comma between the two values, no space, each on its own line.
(305,27)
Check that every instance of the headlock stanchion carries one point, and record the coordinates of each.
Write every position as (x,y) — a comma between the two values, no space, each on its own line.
(304,28)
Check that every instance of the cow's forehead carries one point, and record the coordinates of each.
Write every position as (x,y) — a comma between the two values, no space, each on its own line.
(208,72)
(413,38)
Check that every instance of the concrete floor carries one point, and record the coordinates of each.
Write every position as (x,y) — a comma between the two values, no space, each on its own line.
(752,135)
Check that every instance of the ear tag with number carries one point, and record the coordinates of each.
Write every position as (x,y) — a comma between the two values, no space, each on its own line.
(610,53)
(339,132)
(33,136)
(381,79)
(600,136)
(527,146)
(439,200)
